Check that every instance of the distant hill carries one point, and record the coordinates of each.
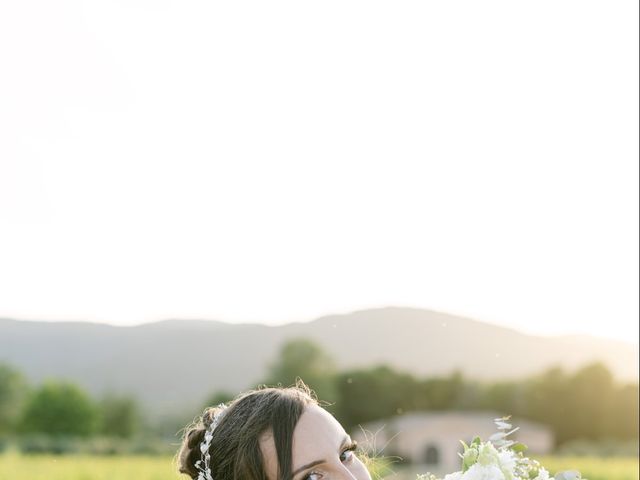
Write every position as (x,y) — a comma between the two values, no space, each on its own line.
(174,365)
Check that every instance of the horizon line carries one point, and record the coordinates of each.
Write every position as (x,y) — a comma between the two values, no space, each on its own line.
(310,320)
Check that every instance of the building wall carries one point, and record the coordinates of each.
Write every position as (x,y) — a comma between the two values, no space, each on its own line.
(410,435)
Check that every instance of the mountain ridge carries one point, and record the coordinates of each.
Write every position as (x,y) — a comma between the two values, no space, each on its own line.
(222,323)
(175,364)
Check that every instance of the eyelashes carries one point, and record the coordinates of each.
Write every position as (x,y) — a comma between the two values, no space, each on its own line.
(351,448)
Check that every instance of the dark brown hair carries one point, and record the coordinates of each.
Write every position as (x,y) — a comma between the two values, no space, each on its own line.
(235,446)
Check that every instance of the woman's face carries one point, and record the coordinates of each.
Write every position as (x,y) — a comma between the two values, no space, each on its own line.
(321,450)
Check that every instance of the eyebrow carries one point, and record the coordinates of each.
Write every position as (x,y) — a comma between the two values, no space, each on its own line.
(345,440)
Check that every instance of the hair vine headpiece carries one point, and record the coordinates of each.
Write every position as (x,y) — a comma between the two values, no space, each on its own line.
(204,464)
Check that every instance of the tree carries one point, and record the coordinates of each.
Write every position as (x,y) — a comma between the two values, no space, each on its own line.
(576,406)
(624,424)
(302,358)
(120,416)
(13,392)
(547,396)
(591,398)
(444,393)
(506,397)
(375,393)
(217,398)
(60,408)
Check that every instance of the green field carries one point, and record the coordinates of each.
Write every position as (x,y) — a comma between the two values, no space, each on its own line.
(81,467)
(594,468)
(74,467)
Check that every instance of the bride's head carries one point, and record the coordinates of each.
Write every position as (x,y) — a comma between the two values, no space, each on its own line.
(272,434)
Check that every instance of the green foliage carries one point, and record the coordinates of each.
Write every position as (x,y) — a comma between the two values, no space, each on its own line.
(546,398)
(217,398)
(505,397)
(442,393)
(382,392)
(372,394)
(587,405)
(120,416)
(13,392)
(591,393)
(302,358)
(624,406)
(60,408)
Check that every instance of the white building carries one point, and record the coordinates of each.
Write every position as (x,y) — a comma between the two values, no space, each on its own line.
(432,440)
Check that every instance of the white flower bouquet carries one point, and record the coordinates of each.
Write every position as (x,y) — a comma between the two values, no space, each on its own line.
(499,458)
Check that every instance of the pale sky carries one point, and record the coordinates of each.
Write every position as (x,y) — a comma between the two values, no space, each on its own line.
(278,161)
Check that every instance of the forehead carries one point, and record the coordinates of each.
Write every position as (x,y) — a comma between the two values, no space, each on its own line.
(316,429)
(317,436)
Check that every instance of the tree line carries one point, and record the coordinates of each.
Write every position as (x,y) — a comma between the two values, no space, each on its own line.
(588,404)
(61,408)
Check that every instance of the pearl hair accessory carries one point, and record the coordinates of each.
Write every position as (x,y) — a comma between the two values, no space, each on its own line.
(204,464)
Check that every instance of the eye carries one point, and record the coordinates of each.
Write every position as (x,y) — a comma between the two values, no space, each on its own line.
(348,453)
(347,456)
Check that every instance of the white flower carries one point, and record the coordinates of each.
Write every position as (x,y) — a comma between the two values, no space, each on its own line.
(483,472)
(508,462)
(487,454)
(569,475)
(543,474)
(453,476)
(500,461)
